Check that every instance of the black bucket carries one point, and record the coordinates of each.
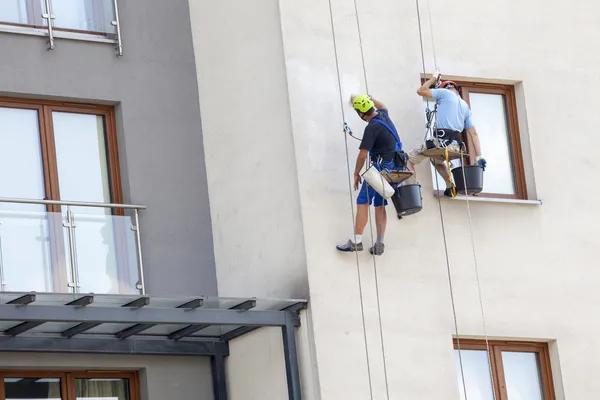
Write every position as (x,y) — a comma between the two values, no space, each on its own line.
(474,178)
(407,200)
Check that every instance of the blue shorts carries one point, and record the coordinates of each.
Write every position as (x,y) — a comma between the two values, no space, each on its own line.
(367,194)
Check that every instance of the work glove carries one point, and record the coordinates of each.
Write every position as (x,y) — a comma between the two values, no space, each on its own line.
(481,162)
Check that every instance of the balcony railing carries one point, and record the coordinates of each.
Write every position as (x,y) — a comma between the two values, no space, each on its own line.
(70,247)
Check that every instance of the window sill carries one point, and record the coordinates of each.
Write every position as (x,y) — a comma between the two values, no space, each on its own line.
(492,200)
(28,30)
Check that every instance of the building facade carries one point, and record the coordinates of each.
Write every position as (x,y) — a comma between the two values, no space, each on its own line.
(187,160)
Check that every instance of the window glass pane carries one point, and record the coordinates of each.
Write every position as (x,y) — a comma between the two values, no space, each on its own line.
(32,388)
(102,389)
(490,118)
(476,374)
(24,237)
(522,374)
(21,173)
(84,15)
(81,157)
(14,11)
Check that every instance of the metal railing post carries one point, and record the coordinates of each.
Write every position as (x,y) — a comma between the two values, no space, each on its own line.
(117,24)
(70,225)
(141,284)
(49,17)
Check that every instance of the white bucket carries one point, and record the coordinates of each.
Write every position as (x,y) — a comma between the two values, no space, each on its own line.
(377,182)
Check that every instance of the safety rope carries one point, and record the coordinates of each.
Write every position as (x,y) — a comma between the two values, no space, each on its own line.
(462,371)
(479,292)
(362,307)
(373,239)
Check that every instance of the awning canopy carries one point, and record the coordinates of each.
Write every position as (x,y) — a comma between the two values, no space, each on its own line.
(122,324)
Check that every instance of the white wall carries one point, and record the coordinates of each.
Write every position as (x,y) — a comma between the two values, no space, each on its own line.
(537,264)
(161,377)
(253,186)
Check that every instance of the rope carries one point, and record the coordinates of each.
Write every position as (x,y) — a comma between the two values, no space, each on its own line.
(435,64)
(462,372)
(362,308)
(487,343)
(373,240)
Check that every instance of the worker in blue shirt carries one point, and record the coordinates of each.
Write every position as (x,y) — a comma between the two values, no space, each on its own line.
(453,116)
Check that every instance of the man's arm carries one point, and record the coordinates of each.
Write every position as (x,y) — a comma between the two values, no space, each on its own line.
(378,105)
(425,90)
(360,161)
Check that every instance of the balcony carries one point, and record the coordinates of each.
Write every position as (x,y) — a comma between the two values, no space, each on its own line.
(70,247)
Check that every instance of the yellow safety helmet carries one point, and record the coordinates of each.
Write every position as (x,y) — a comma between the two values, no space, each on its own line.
(363,103)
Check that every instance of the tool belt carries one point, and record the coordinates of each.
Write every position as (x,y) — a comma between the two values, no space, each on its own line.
(447,136)
(400,158)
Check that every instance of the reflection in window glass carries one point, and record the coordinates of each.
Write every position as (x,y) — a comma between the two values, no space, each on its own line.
(102,389)
(81,155)
(14,11)
(475,364)
(32,388)
(24,236)
(522,374)
(83,175)
(490,118)
(84,15)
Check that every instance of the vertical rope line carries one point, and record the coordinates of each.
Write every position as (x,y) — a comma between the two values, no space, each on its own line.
(362,308)
(487,343)
(432,37)
(373,240)
(450,285)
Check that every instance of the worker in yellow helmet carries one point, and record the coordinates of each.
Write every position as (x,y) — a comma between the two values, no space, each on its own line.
(381,143)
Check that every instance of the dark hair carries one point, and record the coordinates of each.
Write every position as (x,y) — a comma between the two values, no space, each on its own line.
(370,111)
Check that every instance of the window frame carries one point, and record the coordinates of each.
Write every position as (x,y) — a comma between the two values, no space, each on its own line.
(496,347)
(45,108)
(518,165)
(514,135)
(68,379)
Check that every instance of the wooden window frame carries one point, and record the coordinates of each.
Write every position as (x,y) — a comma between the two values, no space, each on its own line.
(514,135)
(496,347)
(45,108)
(508,91)
(68,380)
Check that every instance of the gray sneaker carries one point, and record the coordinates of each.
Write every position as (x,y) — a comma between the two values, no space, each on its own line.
(377,249)
(349,246)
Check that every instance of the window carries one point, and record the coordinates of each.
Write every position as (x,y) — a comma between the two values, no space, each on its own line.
(61,151)
(58,385)
(94,16)
(494,111)
(520,370)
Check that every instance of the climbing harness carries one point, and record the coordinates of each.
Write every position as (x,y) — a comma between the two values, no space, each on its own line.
(462,152)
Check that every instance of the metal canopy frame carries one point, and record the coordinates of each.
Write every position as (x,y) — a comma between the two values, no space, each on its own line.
(143,325)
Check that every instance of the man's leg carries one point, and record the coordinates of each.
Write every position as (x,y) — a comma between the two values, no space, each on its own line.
(443,171)
(414,158)
(381,224)
(362,217)
(364,198)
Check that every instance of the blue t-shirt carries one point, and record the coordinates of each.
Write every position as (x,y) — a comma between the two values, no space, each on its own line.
(452,111)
